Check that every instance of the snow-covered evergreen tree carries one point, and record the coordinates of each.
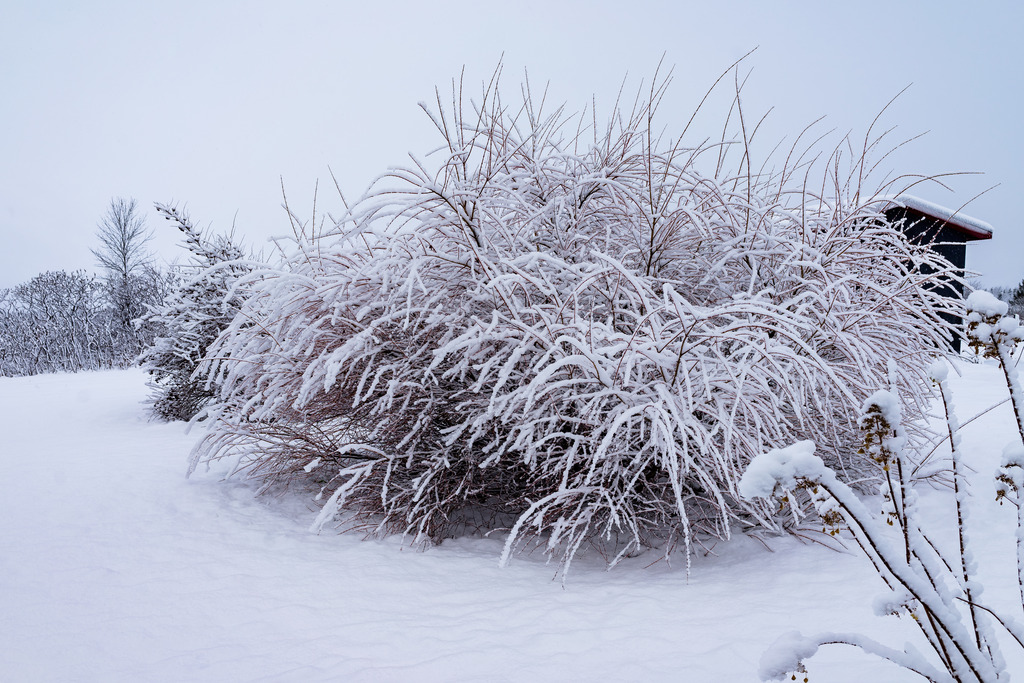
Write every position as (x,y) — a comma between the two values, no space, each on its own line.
(200,305)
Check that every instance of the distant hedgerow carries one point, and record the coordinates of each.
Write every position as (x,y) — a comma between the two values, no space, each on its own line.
(576,334)
(58,322)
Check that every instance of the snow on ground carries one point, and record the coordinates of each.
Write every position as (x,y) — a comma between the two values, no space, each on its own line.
(114,567)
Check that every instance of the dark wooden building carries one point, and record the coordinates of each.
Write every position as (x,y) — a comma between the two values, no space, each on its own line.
(944,230)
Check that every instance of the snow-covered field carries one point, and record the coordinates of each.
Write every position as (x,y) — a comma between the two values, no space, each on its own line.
(114,567)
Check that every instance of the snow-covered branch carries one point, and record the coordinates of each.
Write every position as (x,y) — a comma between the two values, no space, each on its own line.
(940,596)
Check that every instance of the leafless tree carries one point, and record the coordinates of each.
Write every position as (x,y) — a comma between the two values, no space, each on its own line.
(123,237)
(124,255)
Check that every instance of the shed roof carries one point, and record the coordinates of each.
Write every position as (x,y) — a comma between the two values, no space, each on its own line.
(971,228)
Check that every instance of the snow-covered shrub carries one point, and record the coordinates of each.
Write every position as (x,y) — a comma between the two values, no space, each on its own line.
(57,322)
(65,322)
(582,334)
(201,304)
(940,595)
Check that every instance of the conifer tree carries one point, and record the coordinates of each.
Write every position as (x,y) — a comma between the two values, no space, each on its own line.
(201,304)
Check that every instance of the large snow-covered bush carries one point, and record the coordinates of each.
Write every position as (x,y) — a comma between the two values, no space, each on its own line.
(579,334)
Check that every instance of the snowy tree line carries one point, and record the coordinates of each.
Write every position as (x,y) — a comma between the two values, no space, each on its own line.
(66,322)
(1012,296)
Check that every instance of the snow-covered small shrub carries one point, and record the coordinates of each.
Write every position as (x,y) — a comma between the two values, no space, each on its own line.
(580,334)
(201,305)
(939,594)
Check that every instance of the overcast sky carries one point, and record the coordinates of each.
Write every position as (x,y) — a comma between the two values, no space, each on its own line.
(210,104)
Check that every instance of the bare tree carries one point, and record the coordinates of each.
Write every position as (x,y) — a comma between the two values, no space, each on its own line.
(124,254)
(123,237)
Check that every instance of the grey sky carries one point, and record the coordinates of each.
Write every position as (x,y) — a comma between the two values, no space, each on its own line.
(211,103)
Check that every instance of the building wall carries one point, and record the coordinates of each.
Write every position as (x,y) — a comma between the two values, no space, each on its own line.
(942,238)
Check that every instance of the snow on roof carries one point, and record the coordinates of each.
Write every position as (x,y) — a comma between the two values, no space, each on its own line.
(974,228)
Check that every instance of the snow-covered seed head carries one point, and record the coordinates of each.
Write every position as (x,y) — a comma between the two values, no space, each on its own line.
(832,522)
(888,508)
(988,327)
(938,371)
(828,509)
(1010,474)
(1007,486)
(880,417)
